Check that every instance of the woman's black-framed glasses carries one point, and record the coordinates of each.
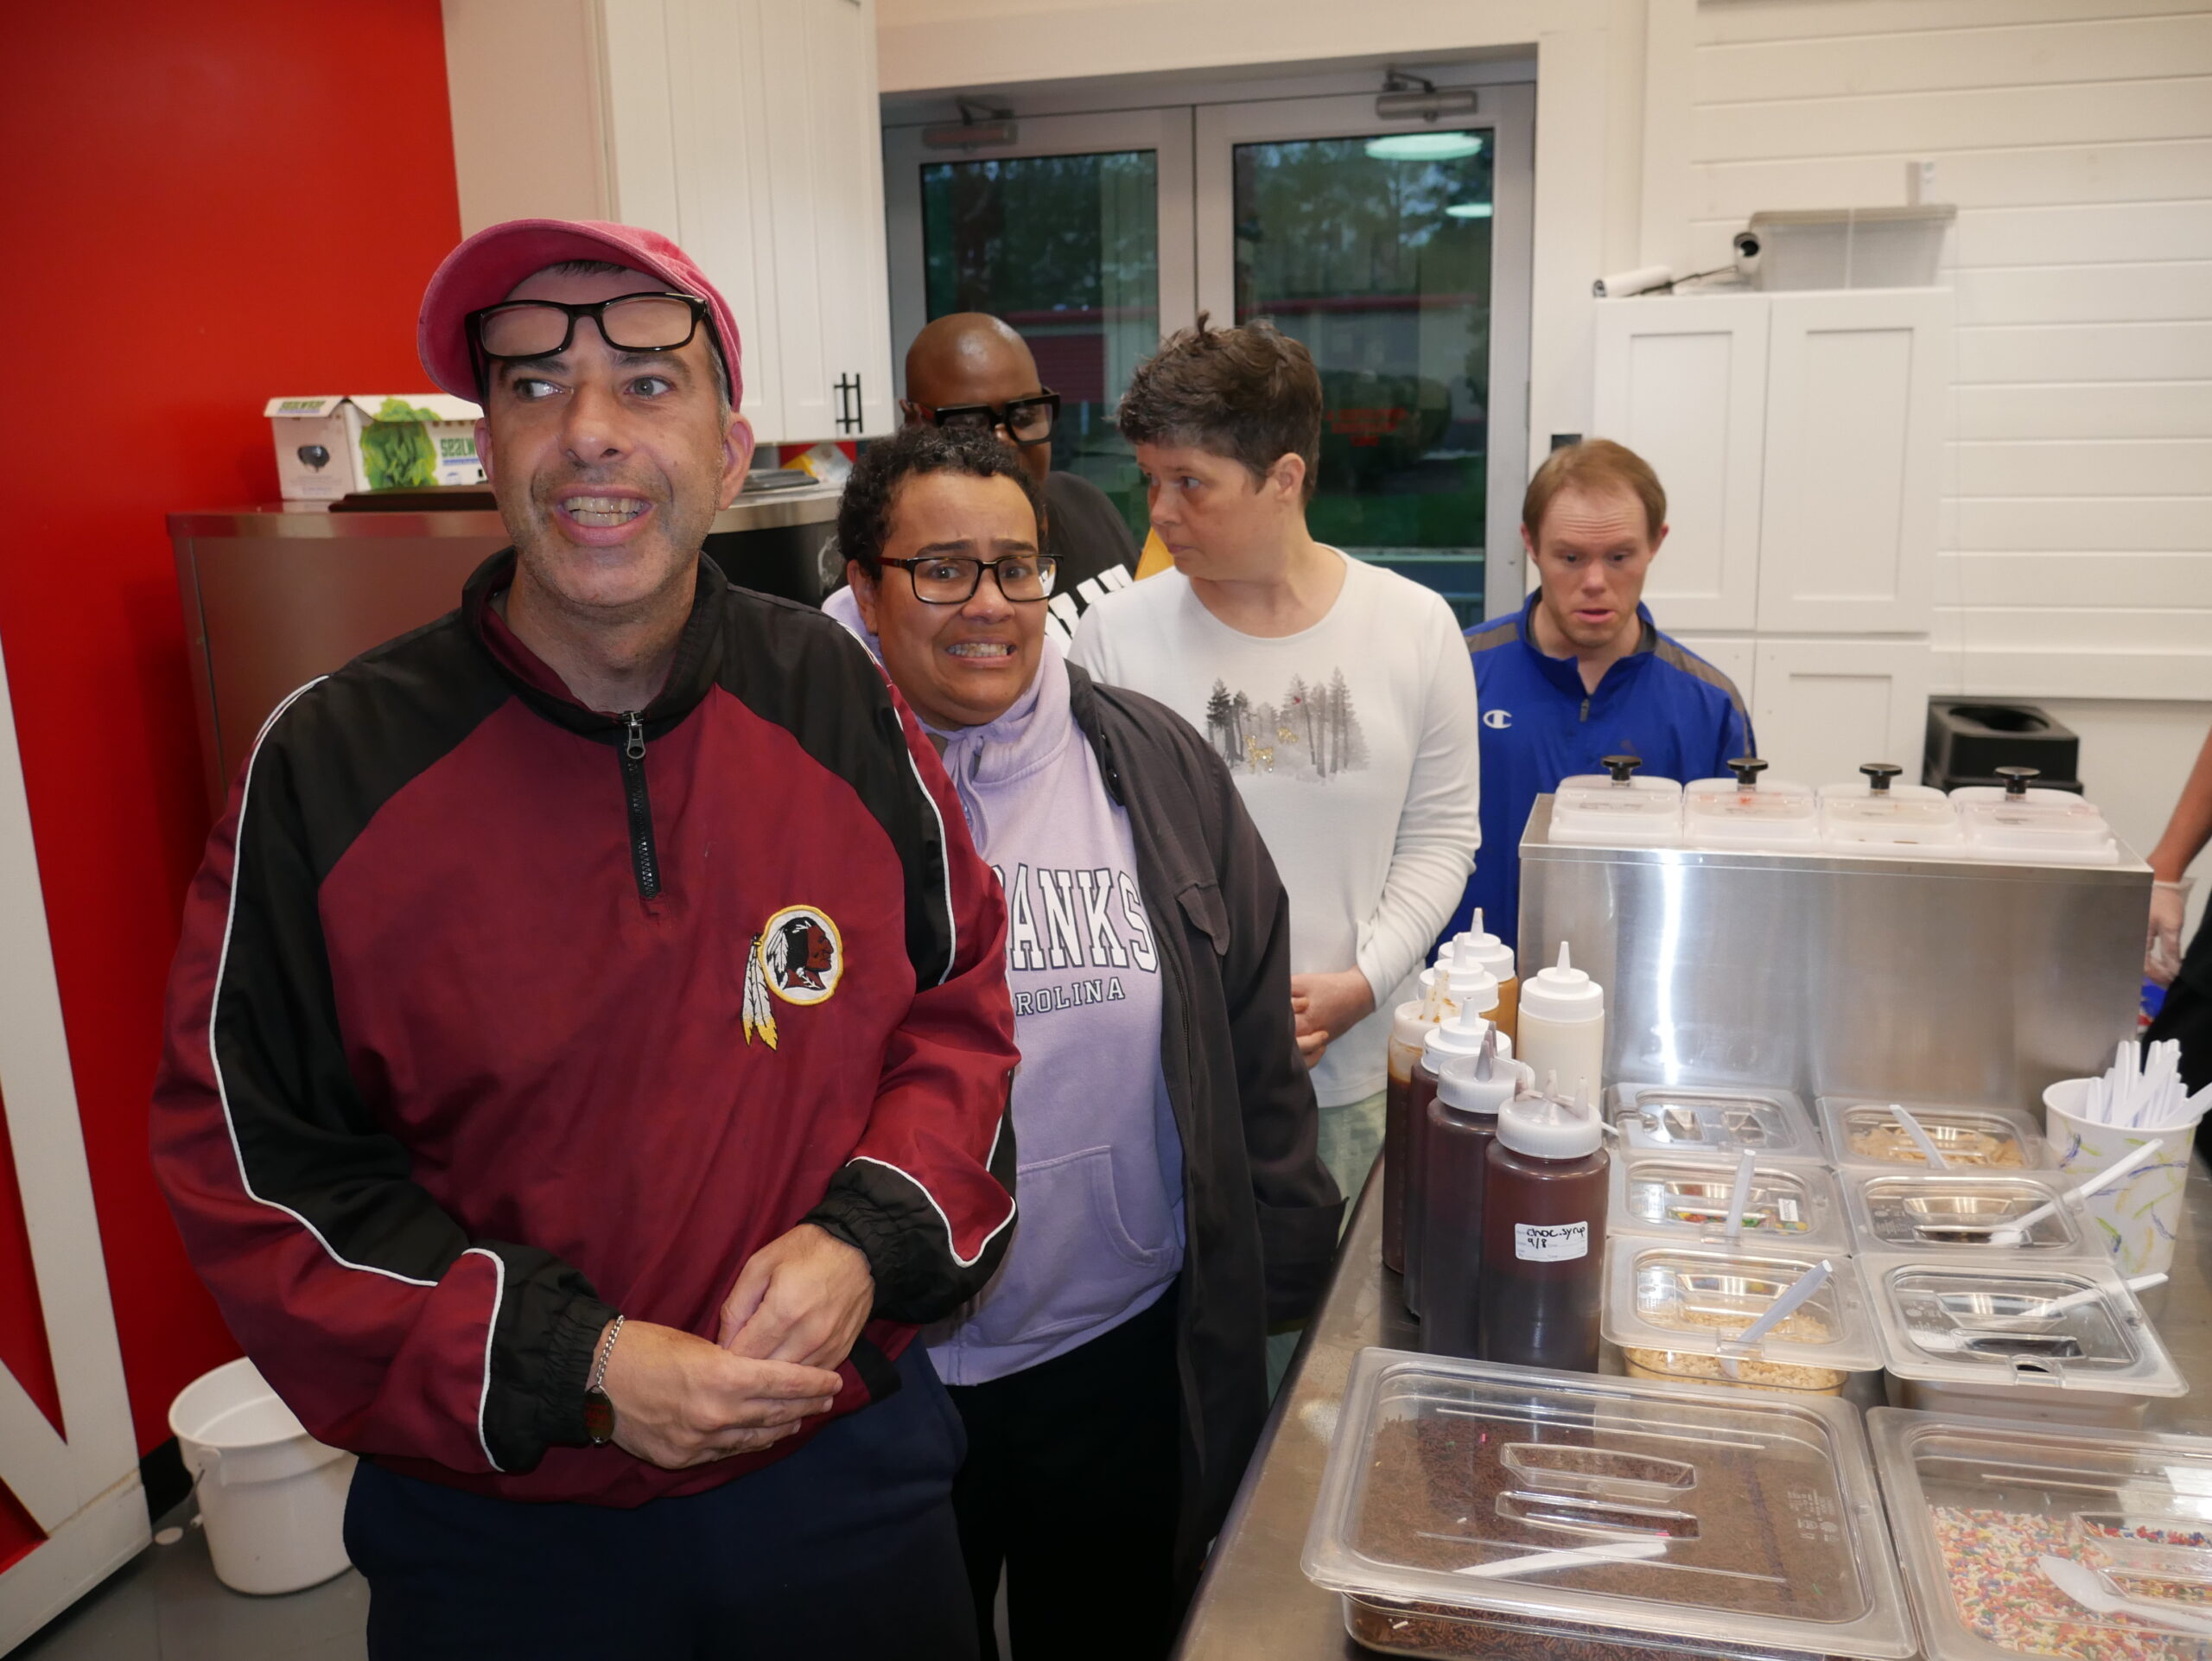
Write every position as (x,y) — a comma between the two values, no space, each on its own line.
(953,580)
(1027,420)
(517,330)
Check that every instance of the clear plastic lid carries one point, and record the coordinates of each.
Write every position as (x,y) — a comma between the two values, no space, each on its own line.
(1760,1511)
(1636,812)
(2047,827)
(1908,815)
(1992,1324)
(1955,1214)
(1865,1134)
(1716,1123)
(1977,1504)
(1764,812)
(1665,1302)
(1786,1203)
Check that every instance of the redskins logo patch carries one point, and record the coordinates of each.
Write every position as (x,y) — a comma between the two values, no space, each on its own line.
(798,958)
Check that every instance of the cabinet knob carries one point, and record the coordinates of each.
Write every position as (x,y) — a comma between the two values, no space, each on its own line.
(850,405)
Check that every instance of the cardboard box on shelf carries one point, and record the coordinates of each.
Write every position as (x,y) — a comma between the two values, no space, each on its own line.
(332,445)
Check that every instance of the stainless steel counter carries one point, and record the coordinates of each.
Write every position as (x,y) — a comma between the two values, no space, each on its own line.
(1256,1604)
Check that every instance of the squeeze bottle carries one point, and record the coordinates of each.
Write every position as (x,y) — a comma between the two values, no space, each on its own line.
(1543,1236)
(1409,1024)
(1477,945)
(1462,1121)
(1459,1033)
(1562,1024)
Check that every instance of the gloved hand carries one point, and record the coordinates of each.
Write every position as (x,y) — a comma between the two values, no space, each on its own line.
(2162,952)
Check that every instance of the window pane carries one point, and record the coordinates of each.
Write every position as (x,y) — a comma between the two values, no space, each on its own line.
(1066,249)
(1375,252)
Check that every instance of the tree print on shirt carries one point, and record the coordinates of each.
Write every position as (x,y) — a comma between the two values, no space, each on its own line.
(1311,732)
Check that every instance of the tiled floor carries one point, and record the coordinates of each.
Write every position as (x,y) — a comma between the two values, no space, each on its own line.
(166,1605)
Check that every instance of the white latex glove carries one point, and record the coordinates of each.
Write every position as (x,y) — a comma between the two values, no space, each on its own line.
(2162,952)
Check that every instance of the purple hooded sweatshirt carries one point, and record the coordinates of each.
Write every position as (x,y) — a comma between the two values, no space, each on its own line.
(1099,1179)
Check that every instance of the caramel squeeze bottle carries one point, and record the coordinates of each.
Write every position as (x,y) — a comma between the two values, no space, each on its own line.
(1459,1033)
(1462,1124)
(1477,945)
(1543,1236)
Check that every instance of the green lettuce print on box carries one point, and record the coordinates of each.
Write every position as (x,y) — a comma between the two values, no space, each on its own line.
(396,447)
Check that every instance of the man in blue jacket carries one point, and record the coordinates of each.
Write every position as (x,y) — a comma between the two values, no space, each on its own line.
(1581,671)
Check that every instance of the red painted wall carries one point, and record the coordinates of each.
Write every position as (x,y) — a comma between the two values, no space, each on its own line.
(206,204)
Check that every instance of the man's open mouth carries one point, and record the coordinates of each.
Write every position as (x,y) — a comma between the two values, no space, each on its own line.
(603,512)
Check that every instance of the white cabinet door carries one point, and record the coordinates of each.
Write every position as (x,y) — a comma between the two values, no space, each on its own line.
(745,130)
(1683,382)
(1823,708)
(1854,445)
(833,327)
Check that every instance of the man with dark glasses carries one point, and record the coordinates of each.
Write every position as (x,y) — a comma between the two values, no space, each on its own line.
(969,370)
(524,1152)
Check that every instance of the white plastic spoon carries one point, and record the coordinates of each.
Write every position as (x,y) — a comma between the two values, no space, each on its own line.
(1928,1148)
(2080,1582)
(1780,1310)
(1538,1562)
(1739,1194)
(2016,1230)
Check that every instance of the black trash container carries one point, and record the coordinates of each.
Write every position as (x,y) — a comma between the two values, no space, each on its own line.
(1968,739)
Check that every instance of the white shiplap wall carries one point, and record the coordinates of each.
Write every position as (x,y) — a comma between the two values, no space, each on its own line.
(2076,139)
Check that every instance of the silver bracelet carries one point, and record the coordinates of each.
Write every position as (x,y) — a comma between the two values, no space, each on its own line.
(606,1352)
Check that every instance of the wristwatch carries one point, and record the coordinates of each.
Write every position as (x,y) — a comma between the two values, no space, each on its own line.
(598,1411)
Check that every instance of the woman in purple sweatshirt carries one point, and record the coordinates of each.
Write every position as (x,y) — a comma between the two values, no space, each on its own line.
(1173,1205)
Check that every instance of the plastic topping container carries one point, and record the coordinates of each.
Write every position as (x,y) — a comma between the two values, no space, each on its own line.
(1616,809)
(1978,1505)
(1954,1213)
(1876,816)
(1677,1311)
(1714,1123)
(1982,1337)
(1743,813)
(1863,1133)
(2040,827)
(1667,1197)
(1761,1532)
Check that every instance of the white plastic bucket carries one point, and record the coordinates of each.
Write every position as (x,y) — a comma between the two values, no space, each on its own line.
(273,1498)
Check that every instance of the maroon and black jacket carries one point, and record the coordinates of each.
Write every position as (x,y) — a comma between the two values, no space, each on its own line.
(460,1058)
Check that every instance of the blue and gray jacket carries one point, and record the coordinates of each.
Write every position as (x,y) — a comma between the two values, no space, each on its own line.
(1663,702)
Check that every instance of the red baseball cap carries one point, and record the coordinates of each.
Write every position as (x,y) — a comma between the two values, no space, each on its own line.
(485,269)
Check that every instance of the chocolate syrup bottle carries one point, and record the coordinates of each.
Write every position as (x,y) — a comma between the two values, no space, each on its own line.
(1462,1125)
(1460,1033)
(1543,1236)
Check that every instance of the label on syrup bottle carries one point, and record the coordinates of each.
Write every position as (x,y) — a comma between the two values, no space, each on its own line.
(1550,1243)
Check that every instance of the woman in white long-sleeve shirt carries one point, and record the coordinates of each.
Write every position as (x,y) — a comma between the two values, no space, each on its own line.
(1339,693)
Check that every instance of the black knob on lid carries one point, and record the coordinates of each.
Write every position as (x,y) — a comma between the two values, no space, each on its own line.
(1878,774)
(1747,769)
(1622,767)
(2016,779)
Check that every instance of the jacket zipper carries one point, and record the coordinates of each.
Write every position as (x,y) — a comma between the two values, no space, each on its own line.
(644,858)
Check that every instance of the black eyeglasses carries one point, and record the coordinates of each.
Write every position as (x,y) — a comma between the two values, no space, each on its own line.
(1027,420)
(953,580)
(515,330)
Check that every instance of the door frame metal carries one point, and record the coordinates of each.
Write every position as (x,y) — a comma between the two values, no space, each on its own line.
(1167,131)
(1508,113)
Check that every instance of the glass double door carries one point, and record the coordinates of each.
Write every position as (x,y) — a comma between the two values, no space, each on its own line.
(1396,251)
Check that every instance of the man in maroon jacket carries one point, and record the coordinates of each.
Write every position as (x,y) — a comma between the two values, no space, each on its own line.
(589,1045)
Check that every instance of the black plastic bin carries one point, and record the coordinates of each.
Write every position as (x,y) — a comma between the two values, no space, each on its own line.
(1968,739)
